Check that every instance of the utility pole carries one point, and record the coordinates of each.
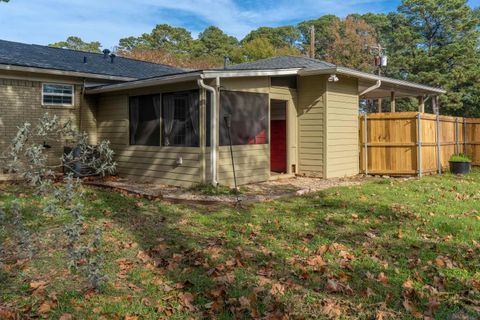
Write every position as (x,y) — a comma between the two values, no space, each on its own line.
(380,61)
(312,42)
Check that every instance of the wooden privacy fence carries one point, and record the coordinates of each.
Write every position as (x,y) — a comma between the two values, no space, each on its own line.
(412,143)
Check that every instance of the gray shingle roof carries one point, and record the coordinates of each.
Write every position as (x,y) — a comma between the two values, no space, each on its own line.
(32,55)
(283,62)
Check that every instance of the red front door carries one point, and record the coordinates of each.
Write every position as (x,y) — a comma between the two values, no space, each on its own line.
(278,146)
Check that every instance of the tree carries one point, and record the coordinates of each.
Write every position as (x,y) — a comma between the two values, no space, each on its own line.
(279,37)
(76,43)
(261,48)
(169,58)
(214,42)
(163,36)
(348,48)
(323,36)
(446,51)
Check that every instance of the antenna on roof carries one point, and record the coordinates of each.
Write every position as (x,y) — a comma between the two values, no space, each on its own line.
(106,52)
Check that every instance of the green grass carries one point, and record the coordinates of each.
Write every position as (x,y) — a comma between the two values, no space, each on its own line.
(345,252)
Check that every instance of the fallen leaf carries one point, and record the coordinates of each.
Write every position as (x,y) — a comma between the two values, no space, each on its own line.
(412,308)
(186,300)
(66,316)
(37,284)
(331,309)
(382,278)
(143,256)
(45,307)
(277,289)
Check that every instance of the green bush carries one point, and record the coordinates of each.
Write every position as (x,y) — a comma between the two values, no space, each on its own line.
(460,158)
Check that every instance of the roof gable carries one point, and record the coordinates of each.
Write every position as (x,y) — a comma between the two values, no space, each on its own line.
(31,55)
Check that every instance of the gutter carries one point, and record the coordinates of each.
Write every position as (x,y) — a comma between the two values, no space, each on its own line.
(189,76)
(368,76)
(213,128)
(145,83)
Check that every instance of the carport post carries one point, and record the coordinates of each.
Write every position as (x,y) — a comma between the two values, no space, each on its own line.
(392,102)
(421,104)
(365,142)
(439,146)
(419,143)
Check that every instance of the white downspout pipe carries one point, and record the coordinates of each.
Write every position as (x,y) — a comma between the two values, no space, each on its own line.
(213,129)
(374,87)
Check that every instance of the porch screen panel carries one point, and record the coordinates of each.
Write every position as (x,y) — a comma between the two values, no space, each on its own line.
(181,119)
(144,120)
(248,114)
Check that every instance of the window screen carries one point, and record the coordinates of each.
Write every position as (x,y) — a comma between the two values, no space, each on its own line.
(180,113)
(144,115)
(286,82)
(248,114)
(57,94)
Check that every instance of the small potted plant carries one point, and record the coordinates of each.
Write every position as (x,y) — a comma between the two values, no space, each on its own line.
(460,164)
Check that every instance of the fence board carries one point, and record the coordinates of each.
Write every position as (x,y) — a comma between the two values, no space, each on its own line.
(393,144)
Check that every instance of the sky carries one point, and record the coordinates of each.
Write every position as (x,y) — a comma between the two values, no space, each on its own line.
(48,21)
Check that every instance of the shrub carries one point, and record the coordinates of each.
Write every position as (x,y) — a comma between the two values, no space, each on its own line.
(460,158)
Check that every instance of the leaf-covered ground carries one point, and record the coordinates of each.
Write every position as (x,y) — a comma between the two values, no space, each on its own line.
(383,250)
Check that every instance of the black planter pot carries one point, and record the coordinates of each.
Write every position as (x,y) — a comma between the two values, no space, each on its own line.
(459,167)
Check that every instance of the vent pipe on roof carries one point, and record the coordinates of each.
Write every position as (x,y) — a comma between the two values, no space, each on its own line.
(84,59)
(112,57)
(106,52)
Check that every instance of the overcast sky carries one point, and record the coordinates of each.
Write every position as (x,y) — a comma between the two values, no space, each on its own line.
(47,21)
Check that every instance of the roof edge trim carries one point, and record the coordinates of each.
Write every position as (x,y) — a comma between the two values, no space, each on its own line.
(9,67)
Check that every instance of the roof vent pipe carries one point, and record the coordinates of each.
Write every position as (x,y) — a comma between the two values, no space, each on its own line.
(84,59)
(112,57)
(106,52)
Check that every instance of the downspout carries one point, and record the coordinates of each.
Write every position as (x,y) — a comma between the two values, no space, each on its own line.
(374,87)
(213,129)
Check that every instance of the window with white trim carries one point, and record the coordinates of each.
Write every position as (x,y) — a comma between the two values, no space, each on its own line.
(57,94)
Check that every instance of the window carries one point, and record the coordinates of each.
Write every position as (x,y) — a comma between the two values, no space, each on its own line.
(180,114)
(248,115)
(144,115)
(57,94)
(286,82)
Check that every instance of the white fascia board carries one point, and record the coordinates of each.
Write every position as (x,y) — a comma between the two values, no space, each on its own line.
(312,72)
(146,83)
(56,72)
(211,74)
(372,77)
(206,74)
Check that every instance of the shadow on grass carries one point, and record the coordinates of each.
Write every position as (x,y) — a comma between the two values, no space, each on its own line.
(219,255)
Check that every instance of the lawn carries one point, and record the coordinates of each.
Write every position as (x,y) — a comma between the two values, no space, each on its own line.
(387,249)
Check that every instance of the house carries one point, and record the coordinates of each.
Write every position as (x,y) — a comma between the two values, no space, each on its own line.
(284,116)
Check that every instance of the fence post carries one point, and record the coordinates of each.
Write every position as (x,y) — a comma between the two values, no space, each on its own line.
(456,135)
(419,143)
(365,142)
(439,146)
(465,135)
